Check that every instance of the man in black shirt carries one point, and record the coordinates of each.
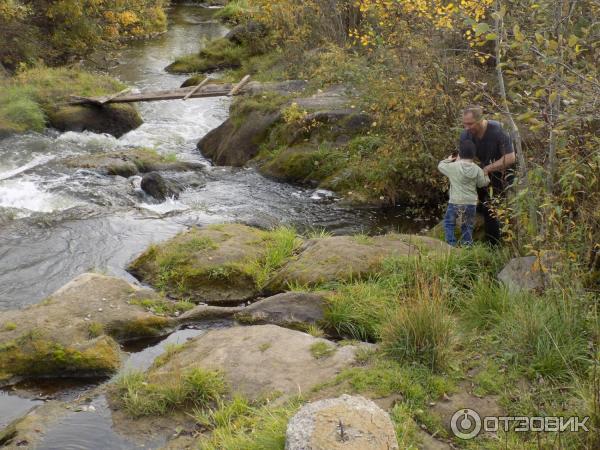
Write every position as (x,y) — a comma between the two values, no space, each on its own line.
(495,154)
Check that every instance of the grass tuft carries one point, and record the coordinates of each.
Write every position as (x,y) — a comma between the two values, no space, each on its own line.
(195,388)
(420,331)
(322,349)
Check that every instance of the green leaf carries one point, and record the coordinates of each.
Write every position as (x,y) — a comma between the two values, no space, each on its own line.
(573,40)
(481,28)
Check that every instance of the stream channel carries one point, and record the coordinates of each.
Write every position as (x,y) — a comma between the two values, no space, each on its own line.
(56,222)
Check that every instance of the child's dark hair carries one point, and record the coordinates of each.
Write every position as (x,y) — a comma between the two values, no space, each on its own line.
(467,149)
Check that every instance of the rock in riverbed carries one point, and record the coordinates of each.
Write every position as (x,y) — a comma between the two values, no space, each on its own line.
(75,331)
(116,119)
(130,162)
(210,265)
(294,310)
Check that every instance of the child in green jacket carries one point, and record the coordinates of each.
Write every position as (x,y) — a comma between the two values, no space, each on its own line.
(465,177)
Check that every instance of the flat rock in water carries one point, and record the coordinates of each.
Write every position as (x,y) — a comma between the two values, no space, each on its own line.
(340,258)
(345,423)
(128,163)
(75,331)
(290,310)
(260,360)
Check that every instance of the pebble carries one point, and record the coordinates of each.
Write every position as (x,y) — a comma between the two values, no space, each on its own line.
(99,309)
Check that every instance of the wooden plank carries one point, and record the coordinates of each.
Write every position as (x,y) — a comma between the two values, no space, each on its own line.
(208,90)
(239,86)
(112,97)
(100,100)
(193,91)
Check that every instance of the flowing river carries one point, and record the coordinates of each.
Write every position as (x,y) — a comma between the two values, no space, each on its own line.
(56,223)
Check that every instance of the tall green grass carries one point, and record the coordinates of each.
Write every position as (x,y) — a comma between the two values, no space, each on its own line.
(279,245)
(421,330)
(548,335)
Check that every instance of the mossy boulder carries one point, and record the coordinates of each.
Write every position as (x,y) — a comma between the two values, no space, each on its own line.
(75,331)
(342,258)
(217,55)
(211,265)
(116,119)
(259,360)
(129,162)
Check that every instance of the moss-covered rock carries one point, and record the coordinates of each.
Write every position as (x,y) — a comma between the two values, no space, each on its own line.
(75,331)
(116,119)
(217,55)
(37,98)
(130,162)
(234,145)
(342,258)
(215,264)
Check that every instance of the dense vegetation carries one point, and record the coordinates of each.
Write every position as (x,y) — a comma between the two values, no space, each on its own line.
(54,32)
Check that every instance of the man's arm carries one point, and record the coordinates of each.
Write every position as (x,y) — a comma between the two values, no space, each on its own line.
(508,155)
(503,163)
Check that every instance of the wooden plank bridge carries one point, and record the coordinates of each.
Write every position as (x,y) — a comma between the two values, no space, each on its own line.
(202,90)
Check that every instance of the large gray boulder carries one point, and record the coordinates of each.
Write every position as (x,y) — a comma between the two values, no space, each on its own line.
(260,360)
(208,265)
(75,331)
(344,423)
(341,258)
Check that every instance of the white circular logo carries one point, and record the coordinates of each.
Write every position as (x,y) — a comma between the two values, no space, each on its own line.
(465,424)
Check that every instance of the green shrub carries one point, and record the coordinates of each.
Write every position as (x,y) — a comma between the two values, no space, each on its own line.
(234,11)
